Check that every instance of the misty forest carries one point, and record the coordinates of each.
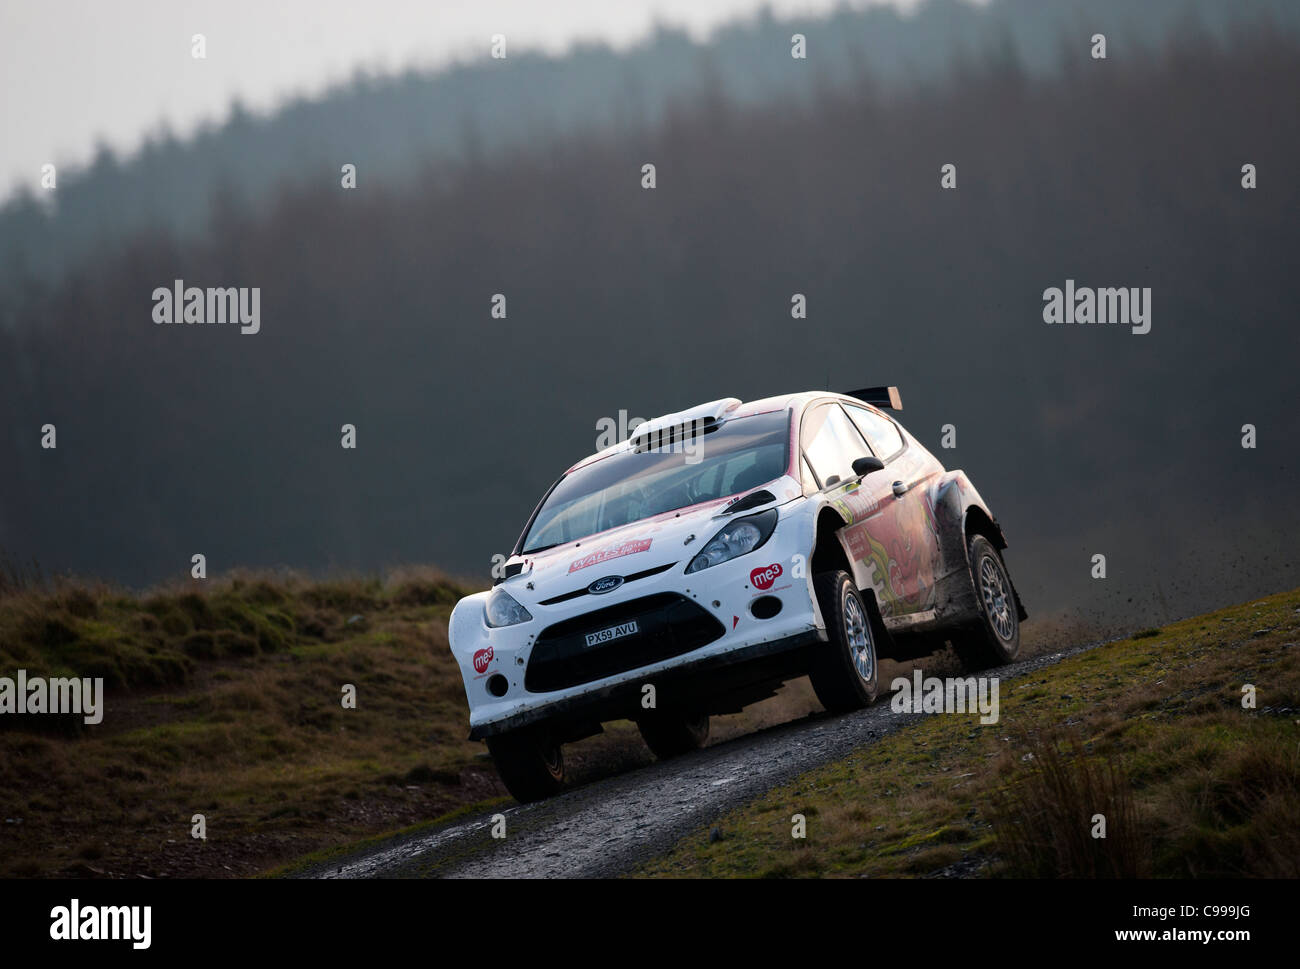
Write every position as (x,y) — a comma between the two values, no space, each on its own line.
(775,176)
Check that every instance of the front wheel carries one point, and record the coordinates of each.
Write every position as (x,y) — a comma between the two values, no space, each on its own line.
(995,639)
(530,763)
(844,674)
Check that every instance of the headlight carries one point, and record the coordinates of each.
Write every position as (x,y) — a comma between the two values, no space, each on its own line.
(741,536)
(503,610)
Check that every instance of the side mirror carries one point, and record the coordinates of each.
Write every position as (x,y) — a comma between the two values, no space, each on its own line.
(865,465)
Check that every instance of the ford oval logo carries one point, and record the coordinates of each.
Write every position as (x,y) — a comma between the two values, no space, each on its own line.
(605,584)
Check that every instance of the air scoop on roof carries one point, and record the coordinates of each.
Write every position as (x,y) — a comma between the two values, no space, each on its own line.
(674,428)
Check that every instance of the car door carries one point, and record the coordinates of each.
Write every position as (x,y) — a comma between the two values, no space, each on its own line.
(831,442)
(905,542)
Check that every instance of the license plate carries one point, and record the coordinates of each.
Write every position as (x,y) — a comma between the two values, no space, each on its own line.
(613,632)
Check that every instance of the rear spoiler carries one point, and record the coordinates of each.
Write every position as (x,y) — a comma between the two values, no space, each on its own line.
(879,397)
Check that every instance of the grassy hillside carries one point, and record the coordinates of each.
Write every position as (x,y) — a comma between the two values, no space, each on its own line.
(223,698)
(1149,731)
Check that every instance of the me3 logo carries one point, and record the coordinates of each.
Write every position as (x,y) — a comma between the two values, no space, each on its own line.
(765,577)
(102,923)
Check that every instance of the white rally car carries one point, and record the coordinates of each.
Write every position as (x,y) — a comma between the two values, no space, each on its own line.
(715,554)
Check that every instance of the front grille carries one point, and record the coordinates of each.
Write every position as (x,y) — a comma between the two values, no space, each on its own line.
(669,625)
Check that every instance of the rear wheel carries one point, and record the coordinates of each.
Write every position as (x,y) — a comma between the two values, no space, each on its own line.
(530,763)
(995,639)
(672,733)
(844,674)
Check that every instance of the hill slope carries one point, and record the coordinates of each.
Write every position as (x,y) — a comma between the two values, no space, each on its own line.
(1149,731)
(224,699)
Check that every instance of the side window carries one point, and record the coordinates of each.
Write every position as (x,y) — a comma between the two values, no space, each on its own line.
(831,443)
(879,431)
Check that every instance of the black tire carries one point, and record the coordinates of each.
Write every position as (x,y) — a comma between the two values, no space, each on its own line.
(845,672)
(673,733)
(995,639)
(530,764)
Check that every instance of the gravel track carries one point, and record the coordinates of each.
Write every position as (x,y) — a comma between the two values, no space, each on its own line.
(607,827)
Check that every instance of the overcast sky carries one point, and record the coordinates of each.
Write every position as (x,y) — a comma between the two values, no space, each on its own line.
(77,72)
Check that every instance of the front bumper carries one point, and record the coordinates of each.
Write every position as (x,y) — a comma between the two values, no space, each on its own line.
(693,646)
(689,684)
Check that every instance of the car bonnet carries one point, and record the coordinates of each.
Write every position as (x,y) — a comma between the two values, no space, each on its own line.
(650,545)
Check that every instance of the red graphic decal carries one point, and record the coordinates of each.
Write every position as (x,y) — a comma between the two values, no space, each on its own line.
(482,659)
(613,552)
(764,577)
(859,545)
(735,621)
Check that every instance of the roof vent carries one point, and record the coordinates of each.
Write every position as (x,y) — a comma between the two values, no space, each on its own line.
(672,428)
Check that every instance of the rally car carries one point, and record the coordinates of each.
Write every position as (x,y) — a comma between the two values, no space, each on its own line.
(713,555)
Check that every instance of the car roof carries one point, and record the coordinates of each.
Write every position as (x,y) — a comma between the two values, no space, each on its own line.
(732,411)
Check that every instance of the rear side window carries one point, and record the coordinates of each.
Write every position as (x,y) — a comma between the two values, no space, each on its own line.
(880,432)
(831,444)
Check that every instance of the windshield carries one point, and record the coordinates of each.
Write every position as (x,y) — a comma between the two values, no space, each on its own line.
(735,456)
